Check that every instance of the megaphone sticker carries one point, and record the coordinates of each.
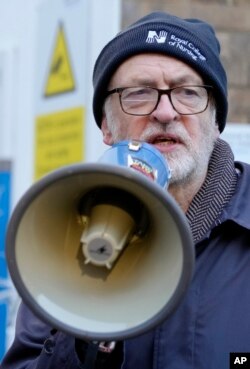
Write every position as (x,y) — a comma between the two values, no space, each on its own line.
(142,157)
(142,167)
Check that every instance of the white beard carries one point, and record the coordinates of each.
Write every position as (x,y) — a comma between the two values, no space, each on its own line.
(191,160)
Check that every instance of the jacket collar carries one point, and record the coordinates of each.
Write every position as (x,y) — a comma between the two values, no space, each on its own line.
(238,208)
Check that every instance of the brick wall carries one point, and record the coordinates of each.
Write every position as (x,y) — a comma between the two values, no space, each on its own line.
(231,20)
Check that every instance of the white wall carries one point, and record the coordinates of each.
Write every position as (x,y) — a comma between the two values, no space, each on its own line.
(238,136)
(18,68)
(18,48)
(17,38)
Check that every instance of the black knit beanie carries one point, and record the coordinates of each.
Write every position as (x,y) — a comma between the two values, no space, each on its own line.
(190,40)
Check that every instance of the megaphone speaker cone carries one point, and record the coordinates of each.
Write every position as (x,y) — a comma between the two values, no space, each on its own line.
(124,297)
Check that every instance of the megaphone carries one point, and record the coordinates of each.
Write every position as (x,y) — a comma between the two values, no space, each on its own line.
(101,250)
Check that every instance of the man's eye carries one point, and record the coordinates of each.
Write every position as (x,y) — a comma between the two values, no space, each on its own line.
(188,92)
(141,93)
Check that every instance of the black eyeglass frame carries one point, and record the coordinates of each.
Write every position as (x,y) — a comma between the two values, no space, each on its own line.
(161,92)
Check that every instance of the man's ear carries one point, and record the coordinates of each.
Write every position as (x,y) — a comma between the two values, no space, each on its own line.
(217,130)
(107,134)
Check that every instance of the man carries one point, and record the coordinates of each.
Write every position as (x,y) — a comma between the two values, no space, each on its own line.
(161,81)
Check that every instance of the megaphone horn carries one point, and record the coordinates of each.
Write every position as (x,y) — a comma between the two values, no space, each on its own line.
(102,251)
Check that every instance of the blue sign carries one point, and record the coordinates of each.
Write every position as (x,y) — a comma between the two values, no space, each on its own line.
(5,185)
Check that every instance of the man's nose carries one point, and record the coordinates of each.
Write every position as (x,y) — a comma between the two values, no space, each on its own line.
(164,110)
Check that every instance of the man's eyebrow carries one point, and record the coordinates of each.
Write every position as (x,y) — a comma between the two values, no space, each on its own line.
(186,79)
(142,81)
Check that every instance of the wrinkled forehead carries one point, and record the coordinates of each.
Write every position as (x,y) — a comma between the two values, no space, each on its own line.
(152,70)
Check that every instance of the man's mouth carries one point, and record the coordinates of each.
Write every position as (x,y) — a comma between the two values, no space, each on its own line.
(159,140)
(164,143)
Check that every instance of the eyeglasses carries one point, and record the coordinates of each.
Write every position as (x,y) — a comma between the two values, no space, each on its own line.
(143,100)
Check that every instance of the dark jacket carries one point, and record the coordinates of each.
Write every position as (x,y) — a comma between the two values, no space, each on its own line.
(212,320)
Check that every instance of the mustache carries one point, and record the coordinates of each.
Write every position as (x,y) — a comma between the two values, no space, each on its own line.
(155,130)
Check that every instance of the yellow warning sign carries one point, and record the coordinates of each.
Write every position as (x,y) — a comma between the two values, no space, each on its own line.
(58,140)
(60,77)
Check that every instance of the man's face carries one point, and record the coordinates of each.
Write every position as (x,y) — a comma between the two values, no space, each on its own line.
(186,141)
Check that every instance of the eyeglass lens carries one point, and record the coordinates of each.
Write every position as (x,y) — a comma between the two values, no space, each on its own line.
(144,100)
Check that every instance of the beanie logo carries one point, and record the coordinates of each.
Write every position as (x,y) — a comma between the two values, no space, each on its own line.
(154,37)
(184,46)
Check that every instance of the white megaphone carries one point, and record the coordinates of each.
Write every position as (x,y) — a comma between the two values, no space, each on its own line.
(102,251)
